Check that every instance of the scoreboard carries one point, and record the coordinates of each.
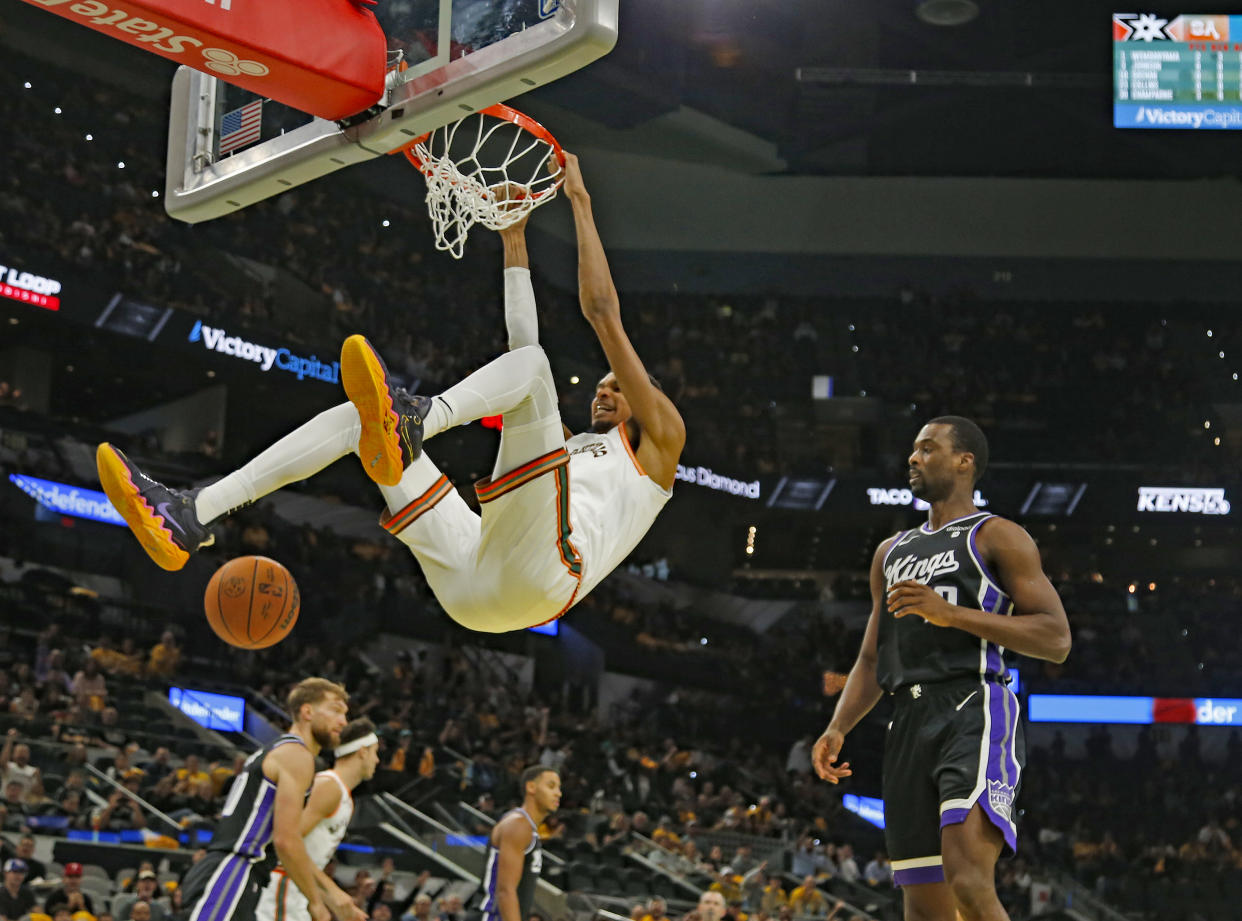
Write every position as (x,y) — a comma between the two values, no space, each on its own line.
(1181,72)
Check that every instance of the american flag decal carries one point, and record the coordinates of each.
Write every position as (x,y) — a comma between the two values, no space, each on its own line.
(241,126)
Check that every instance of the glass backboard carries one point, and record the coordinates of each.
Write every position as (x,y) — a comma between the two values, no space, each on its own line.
(229,148)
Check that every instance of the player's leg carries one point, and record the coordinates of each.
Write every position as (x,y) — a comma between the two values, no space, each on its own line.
(394,423)
(979,776)
(928,902)
(427,514)
(171,523)
(911,811)
(971,849)
(271,902)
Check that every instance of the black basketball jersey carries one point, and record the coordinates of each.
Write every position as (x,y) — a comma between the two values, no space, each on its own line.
(913,651)
(532,866)
(247,821)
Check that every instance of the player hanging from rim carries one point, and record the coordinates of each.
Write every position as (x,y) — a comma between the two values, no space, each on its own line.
(559,511)
(261,820)
(947,599)
(514,851)
(325,818)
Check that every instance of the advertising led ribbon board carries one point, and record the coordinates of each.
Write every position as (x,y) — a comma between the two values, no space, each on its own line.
(1182,72)
(75,501)
(1089,708)
(211,710)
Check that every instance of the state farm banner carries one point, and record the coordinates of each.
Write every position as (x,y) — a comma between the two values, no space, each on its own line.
(325,57)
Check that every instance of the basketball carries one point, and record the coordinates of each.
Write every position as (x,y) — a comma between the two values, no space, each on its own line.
(252,602)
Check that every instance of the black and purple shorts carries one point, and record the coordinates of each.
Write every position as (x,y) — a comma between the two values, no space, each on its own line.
(952,745)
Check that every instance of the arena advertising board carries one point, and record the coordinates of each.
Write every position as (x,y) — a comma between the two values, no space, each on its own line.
(209,709)
(28,283)
(1090,708)
(63,499)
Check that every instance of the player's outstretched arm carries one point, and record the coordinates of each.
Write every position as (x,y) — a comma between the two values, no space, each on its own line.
(1038,627)
(661,424)
(861,691)
(513,837)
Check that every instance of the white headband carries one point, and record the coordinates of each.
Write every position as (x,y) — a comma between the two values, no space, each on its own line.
(350,747)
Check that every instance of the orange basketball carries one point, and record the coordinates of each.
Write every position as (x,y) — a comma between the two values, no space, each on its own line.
(252,602)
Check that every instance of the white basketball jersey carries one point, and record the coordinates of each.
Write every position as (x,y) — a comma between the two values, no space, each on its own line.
(323,840)
(612,502)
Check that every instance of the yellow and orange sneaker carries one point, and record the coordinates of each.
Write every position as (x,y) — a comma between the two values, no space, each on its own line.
(164,520)
(392,419)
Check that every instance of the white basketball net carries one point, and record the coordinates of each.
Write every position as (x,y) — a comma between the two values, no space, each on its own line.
(484,169)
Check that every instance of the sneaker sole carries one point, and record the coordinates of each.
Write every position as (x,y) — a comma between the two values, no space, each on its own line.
(147,525)
(366,385)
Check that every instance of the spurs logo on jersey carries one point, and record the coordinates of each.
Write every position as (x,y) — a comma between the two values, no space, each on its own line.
(595,449)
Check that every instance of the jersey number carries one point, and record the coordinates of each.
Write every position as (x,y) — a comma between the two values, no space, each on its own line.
(239,786)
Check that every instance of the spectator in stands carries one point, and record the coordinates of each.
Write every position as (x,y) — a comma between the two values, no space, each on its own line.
(110,731)
(73,807)
(36,797)
(52,673)
(421,909)
(772,895)
(26,705)
(165,657)
(222,774)
(14,807)
(35,869)
(15,759)
(743,859)
(711,906)
(122,813)
(878,871)
(657,910)
(847,866)
(158,767)
(120,767)
(728,885)
(145,894)
(798,761)
(90,687)
(69,893)
(16,899)
(807,900)
(190,775)
(452,909)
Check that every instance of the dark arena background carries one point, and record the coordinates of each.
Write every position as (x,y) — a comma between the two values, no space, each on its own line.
(828,222)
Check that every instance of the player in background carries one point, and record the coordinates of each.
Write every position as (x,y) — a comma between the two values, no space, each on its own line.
(557,515)
(325,819)
(947,599)
(514,853)
(261,820)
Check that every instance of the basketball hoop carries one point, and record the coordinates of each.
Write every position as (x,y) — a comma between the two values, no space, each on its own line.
(492,168)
